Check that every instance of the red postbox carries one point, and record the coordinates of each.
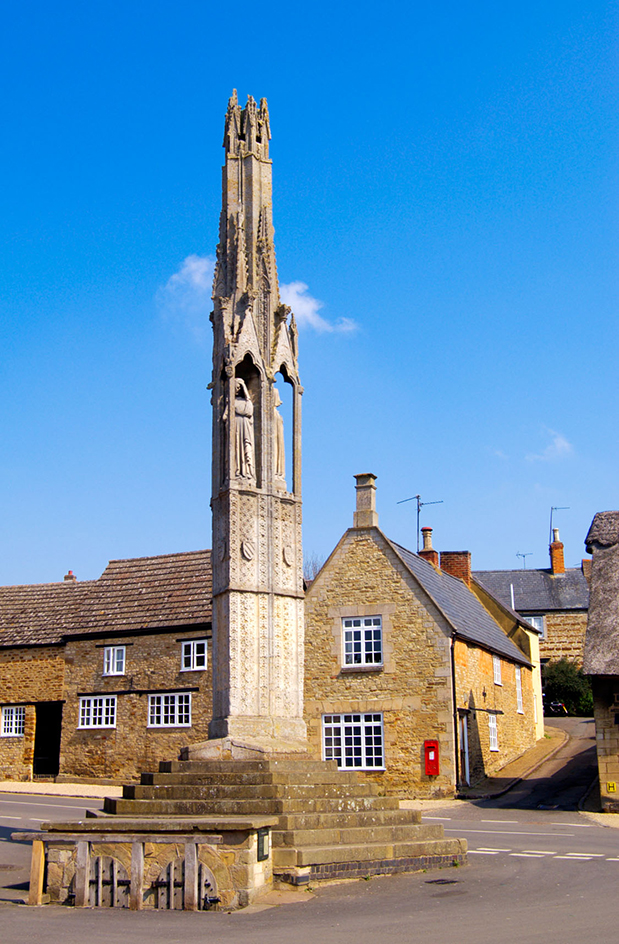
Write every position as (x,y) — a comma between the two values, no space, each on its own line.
(430,752)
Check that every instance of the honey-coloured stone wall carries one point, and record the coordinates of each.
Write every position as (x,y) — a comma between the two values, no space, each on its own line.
(413,687)
(27,675)
(478,696)
(565,636)
(153,665)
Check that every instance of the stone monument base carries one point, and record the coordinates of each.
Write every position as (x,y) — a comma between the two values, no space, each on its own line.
(235,748)
(219,831)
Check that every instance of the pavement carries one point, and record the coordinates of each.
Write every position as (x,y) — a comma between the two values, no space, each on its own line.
(95,790)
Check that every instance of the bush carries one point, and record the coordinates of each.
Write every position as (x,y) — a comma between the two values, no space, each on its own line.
(564,681)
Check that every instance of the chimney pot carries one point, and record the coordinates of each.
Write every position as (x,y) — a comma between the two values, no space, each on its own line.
(427,551)
(70,577)
(365,516)
(557,559)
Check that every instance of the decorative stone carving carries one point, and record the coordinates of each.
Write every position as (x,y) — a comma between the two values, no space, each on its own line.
(258,583)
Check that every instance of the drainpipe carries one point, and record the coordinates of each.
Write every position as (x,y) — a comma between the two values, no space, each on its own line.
(455,703)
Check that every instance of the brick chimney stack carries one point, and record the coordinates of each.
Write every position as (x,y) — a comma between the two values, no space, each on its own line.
(458,564)
(557,561)
(427,551)
(70,577)
(366,516)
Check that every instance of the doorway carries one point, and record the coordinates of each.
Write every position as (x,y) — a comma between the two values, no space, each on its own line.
(464,749)
(46,760)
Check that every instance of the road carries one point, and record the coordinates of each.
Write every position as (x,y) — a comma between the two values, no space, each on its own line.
(535,875)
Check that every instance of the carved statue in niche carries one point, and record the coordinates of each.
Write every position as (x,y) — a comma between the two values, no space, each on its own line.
(245,465)
(280,450)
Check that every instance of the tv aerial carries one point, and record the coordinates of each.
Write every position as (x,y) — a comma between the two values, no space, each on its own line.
(420,505)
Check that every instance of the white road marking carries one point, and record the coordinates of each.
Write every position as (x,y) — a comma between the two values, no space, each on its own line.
(18,818)
(435,817)
(492,849)
(573,858)
(542,852)
(502,832)
(527,855)
(576,825)
(515,821)
(591,855)
(612,860)
(481,852)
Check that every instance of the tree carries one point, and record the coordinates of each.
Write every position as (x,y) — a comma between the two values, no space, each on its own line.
(312,563)
(564,681)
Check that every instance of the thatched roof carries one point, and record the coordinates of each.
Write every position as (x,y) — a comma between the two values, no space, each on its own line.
(601,655)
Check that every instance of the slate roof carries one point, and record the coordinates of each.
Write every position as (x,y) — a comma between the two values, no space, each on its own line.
(468,618)
(150,592)
(40,614)
(601,653)
(139,593)
(537,591)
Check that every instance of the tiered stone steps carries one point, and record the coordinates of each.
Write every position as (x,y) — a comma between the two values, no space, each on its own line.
(331,823)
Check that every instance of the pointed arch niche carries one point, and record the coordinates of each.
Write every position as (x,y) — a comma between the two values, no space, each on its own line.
(290,414)
(246,370)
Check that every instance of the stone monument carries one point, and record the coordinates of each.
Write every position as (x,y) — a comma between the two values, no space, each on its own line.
(257,551)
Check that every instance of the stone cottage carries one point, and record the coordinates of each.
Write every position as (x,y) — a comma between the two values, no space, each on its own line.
(555,600)
(408,675)
(104,678)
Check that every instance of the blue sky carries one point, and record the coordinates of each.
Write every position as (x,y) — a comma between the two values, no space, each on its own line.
(445,185)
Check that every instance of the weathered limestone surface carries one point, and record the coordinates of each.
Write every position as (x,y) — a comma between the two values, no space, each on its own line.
(257,550)
(565,636)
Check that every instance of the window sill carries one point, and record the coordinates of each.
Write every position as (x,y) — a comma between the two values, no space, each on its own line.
(347,669)
(167,727)
(11,735)
(201,668)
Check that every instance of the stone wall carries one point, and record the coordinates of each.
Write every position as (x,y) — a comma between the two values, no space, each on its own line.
(27,675)
(565,636)
(153,664)
(605,695)
(412,689)
(477,692)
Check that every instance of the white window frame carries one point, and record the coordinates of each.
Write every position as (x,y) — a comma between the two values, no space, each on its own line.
(165,710)
(496,668)
(493,732)
(192,659)
(362,640)
(539,622)
(13,721)
(519,704)
(355,740)
(114,660)
(97,711)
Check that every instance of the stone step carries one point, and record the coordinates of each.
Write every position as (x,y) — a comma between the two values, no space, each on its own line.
(244,807)
(284,857)
(299,777)
(350,835)
(283,762)
(367,819)
(245,791)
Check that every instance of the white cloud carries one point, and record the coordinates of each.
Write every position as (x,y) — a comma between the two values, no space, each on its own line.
(306,308)
(186,296)
(557,448)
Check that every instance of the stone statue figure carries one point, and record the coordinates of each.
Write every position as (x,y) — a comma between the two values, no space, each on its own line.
(280,452)
(244,431)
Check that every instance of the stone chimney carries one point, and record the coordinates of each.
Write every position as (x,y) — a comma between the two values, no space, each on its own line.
(365,516)
(70,577)
(557,562)
(458,564)
(586,569)
(427,551)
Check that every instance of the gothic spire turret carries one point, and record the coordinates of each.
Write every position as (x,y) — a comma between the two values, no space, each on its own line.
(257,553)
